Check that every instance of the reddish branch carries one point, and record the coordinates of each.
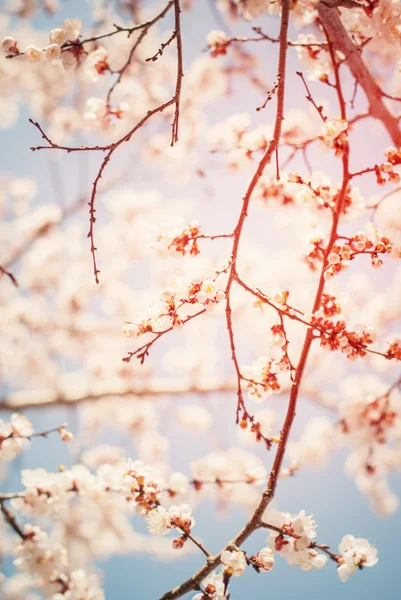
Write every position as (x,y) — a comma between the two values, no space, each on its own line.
(329,16)
(145,29)
(10,275)
(195,581)
(264,37)
(111,148)
(78,44)
(15,434)
(180,72)
(142,352)
(266,159)
(269,95)
(256,520)
(319,108)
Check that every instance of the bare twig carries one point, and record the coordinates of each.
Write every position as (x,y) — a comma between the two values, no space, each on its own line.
(11,520)
(10,275)
(310,98)
(180,72)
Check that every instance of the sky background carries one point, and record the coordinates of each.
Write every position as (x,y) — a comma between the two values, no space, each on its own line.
(330,495)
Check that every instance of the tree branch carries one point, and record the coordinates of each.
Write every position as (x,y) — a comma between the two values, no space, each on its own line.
(194,582)
(341,42)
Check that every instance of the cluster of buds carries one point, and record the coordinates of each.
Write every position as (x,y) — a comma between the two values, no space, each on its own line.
(217,42)
(375,418)
(256,429)
(340,256)
(324,197)
(261,377)
(204,292)
(96,64)
(37,555)
(14,436)
(186,241)
(334,336)
(316,253)
(146,325)
(356,553)
(181,518)
(329,306)
(394,351)
(278,192)
(68,33)
(200,291)
(393,159)
(214,587)
(160,521)
(321,193)
(175,235)
(139,486)
(314,57)
(99,113)
(169,297)
(295,541)
(334,134)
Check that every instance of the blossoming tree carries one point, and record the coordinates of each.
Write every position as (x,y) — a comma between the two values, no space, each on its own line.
(274,284)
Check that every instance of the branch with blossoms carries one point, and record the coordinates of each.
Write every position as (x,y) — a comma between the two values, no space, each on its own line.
(15,434)
(71,31)
(66,40)
(341,42)
(292,537)
(338,208)
(289,325)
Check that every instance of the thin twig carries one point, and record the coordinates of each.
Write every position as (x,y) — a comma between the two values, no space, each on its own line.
(180,72)
(11,520)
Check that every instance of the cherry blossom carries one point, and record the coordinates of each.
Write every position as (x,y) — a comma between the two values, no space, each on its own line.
(356,553)
(234,563)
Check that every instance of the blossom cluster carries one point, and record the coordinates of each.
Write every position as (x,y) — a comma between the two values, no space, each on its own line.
(370,421)
(355,553)
(334,134)
(214,587)
(160,520)
(321,195)
(175,235)
(100,115)
(335,336)
(200,292)
(314,56)
(65,35)
(393,156)
(361,243)
(46,564)
(295,542)
(14,436)
(218,42)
